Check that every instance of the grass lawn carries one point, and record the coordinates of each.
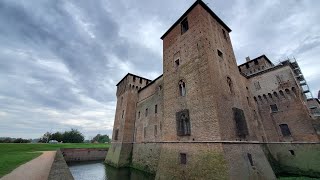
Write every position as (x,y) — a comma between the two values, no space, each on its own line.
(12,155)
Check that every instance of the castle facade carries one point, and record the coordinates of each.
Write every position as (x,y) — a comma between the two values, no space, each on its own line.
(208,118)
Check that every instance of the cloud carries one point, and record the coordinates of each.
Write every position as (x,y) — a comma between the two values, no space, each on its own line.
(60,60)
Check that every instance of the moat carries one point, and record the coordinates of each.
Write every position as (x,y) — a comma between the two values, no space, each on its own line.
(98,170)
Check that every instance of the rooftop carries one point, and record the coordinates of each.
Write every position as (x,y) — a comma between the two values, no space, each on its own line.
(200,2)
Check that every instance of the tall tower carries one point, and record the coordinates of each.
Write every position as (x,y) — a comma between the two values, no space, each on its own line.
(206,104)
(119,154)
(202,81)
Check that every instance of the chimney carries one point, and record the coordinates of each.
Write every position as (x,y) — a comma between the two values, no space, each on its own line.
(248,59)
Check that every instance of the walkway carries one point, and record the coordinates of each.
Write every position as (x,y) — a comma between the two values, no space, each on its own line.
(36,169)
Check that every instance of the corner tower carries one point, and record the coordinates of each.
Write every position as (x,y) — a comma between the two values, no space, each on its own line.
(206,106)
(202,81)
(119,154)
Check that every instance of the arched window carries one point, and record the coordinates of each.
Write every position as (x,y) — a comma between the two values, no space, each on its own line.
(230,85)
(182,88)
(270,96)
(275,94)
(255,99)
(281,93)
(287,91)
(265,97)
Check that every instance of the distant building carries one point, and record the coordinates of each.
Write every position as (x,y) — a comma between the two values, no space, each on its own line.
(208,118)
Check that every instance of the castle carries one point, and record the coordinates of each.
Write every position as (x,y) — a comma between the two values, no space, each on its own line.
(208,118)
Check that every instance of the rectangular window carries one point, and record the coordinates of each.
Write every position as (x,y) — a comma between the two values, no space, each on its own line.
(139,115)
(250,159)
(176,63)
(224,34)
(116,134)
(183,158)
(184,26)
(274,108)
(257,85)
(155,130)
(220,54)
(156,109)
(285,130)
(241,123)
(134,79)
(146,112)
(140,80)
(183,123)
(279,78)
(122,114)
(256,62)
(144,132)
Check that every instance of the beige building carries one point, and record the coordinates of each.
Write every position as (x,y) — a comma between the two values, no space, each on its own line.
(208,118)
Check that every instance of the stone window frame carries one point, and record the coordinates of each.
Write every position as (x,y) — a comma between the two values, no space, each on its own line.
(220,53)
(274,108)
(230,84)
(184,24)
(257,85)
(116,134)
(183,158)
(240,122)
(285,130)
(183,123)
(156,109)
(182,88)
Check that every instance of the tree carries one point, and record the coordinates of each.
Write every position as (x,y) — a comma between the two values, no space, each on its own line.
(101,138)
(20,140)
(45,138)
(57,136)
(73,136)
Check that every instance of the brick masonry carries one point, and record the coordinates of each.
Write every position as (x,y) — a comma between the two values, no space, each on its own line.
(145,127)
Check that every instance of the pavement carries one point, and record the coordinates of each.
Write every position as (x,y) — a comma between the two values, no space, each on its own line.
(36,169)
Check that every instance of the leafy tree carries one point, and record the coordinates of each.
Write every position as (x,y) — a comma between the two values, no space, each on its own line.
(57,136)
(20,140)
(45,138)
(73,136)
(101,138)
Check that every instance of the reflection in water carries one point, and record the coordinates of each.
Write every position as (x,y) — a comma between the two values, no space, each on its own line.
(99,170)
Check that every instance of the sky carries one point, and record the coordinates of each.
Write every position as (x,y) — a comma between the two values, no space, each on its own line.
(60,60)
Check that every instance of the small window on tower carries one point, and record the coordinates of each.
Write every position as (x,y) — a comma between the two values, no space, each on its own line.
(116,134)
(274,108)
(177,63)
(156,109)
(220,54)
(183,158)
(224,34)
(285,130)
(184,26)
(257,85)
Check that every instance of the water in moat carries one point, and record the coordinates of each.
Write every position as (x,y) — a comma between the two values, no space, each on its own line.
(101,171)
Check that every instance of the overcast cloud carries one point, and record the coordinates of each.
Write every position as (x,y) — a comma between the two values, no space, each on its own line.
(61,59)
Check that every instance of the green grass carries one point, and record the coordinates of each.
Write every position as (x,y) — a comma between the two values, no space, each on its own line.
(13,155)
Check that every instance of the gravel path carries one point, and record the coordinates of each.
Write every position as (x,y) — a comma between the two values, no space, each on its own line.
(36,169)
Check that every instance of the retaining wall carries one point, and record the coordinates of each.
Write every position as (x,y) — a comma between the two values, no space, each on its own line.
(84,154)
